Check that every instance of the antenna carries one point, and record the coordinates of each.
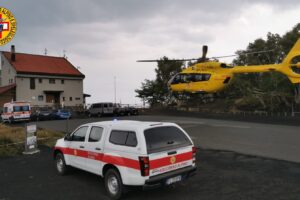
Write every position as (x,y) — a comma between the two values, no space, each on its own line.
(65,54)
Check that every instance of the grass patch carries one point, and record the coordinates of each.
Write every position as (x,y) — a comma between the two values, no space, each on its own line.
(16,136)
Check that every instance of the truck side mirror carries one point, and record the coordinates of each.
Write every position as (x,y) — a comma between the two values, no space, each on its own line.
(68,137)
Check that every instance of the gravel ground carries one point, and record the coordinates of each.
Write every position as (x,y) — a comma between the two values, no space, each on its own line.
(221,175)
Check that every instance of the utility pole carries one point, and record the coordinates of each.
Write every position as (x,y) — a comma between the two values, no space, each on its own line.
(115,88)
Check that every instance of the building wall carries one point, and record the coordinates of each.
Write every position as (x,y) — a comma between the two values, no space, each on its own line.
(8,73)
(71,88)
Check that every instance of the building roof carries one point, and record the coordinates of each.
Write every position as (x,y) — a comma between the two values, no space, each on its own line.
(7,88)
(42,65)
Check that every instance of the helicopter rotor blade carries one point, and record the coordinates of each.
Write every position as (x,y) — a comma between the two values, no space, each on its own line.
(246,53)
(204,58)
(147,61)
(179,60)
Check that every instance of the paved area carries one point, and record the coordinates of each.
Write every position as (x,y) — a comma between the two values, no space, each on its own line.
(267,140)
(221,175)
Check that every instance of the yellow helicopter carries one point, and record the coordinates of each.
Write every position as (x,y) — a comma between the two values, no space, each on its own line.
(210,76)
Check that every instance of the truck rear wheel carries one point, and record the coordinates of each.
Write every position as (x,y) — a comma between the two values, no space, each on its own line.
(113,184)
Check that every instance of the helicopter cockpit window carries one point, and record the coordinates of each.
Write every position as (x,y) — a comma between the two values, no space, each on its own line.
(206,77)
(198,77)
(176,79)
(181,78)
(201,77)
(187,78)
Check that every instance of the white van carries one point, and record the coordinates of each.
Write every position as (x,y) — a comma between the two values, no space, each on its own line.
(16,111)
(100,109)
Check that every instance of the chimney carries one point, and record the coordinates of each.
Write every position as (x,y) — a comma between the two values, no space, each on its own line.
(13,53)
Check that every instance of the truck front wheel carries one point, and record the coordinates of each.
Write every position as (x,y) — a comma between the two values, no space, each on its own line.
(60,164)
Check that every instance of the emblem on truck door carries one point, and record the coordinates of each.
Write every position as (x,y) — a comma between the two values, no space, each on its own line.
(172,159)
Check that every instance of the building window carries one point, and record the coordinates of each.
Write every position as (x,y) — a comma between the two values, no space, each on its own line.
(62,81)
(32,83)
(41,98)
(64,99)
(40,80)
(2,62)
(71,99)
(77,98)
(51,80)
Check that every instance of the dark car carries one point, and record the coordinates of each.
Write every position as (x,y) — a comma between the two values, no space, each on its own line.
(132,111)
(41,115)
(61,114)
(119,110)
(125,109)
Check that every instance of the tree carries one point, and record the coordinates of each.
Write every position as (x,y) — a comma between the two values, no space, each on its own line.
(157,91)
(272,91)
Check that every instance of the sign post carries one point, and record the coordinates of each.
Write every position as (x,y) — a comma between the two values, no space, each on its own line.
(31,140)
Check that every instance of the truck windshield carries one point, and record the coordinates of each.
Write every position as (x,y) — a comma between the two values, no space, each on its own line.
(165,138)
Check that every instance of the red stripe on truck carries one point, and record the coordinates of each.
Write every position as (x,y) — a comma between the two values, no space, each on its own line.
(161,162)
(115,160)
(126,162)
(121,161)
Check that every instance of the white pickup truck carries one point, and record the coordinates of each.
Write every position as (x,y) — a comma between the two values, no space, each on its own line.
(134,153)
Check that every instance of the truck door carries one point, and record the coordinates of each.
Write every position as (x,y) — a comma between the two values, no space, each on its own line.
(94,146)
(79,153)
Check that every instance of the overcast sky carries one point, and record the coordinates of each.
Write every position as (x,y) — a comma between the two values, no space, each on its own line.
(105,38)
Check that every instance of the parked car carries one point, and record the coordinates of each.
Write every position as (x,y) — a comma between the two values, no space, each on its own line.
(119,110)
(132,153)
(100,109)
(16,111)
(61,114)
(122,110)
(132,111)
(40,115)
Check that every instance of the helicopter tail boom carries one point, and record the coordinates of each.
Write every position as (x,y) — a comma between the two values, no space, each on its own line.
(255,68)
(287,67)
